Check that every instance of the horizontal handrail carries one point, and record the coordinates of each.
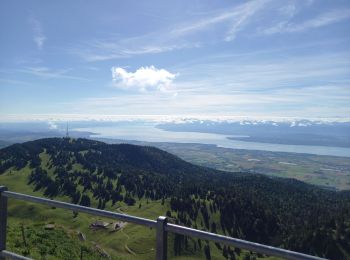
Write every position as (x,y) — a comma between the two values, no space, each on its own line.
(11,255)
(251,246)
(79,208)
(163,227)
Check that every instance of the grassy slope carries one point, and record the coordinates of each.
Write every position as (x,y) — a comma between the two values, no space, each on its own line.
(137,239)
(29,213)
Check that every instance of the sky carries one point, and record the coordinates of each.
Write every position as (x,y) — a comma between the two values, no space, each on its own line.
(129,58)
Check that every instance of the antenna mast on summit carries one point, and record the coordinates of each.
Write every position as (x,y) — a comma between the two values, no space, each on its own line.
(67,133)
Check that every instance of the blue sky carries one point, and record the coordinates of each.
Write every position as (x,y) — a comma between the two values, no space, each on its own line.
(277,58)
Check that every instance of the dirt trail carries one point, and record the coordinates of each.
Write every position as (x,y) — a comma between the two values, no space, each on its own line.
(126,235)
(126,245)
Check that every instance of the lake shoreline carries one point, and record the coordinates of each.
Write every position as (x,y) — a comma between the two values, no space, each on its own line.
(150,133)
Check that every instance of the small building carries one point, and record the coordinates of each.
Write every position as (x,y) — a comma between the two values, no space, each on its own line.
(117,225)
(49,226)
(99,224)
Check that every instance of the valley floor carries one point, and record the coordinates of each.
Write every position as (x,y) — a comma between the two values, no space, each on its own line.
(330,172)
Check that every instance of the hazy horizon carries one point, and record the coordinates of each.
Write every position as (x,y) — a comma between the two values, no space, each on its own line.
(161,118)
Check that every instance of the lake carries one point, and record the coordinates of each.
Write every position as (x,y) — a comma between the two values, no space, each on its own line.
(150,133)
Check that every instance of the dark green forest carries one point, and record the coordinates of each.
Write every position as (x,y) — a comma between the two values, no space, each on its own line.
(274,211)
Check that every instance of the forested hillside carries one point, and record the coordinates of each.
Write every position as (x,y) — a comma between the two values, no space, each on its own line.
(280,212)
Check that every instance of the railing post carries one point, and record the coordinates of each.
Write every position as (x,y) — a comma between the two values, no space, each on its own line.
(162,238)
(3,219)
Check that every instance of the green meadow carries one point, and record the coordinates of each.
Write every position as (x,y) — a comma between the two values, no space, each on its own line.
(27,234)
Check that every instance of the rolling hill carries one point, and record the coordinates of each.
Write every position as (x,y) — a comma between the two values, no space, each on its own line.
(148,182)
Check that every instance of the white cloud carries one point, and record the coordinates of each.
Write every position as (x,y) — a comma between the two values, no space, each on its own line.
(52,125)
(143,79)
(38,37)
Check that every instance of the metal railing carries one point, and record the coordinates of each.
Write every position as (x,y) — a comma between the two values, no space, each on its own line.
(161,225)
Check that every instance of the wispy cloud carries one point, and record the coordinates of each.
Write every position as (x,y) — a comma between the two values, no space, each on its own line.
(157,118)
(174,37)
(288,10)
(321,20)
(38,34)
(47,73)
(13,82)
(287,102)
(277,86)
(259,73)
(224,25)
(143,79)
(235,18)
(108,49)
